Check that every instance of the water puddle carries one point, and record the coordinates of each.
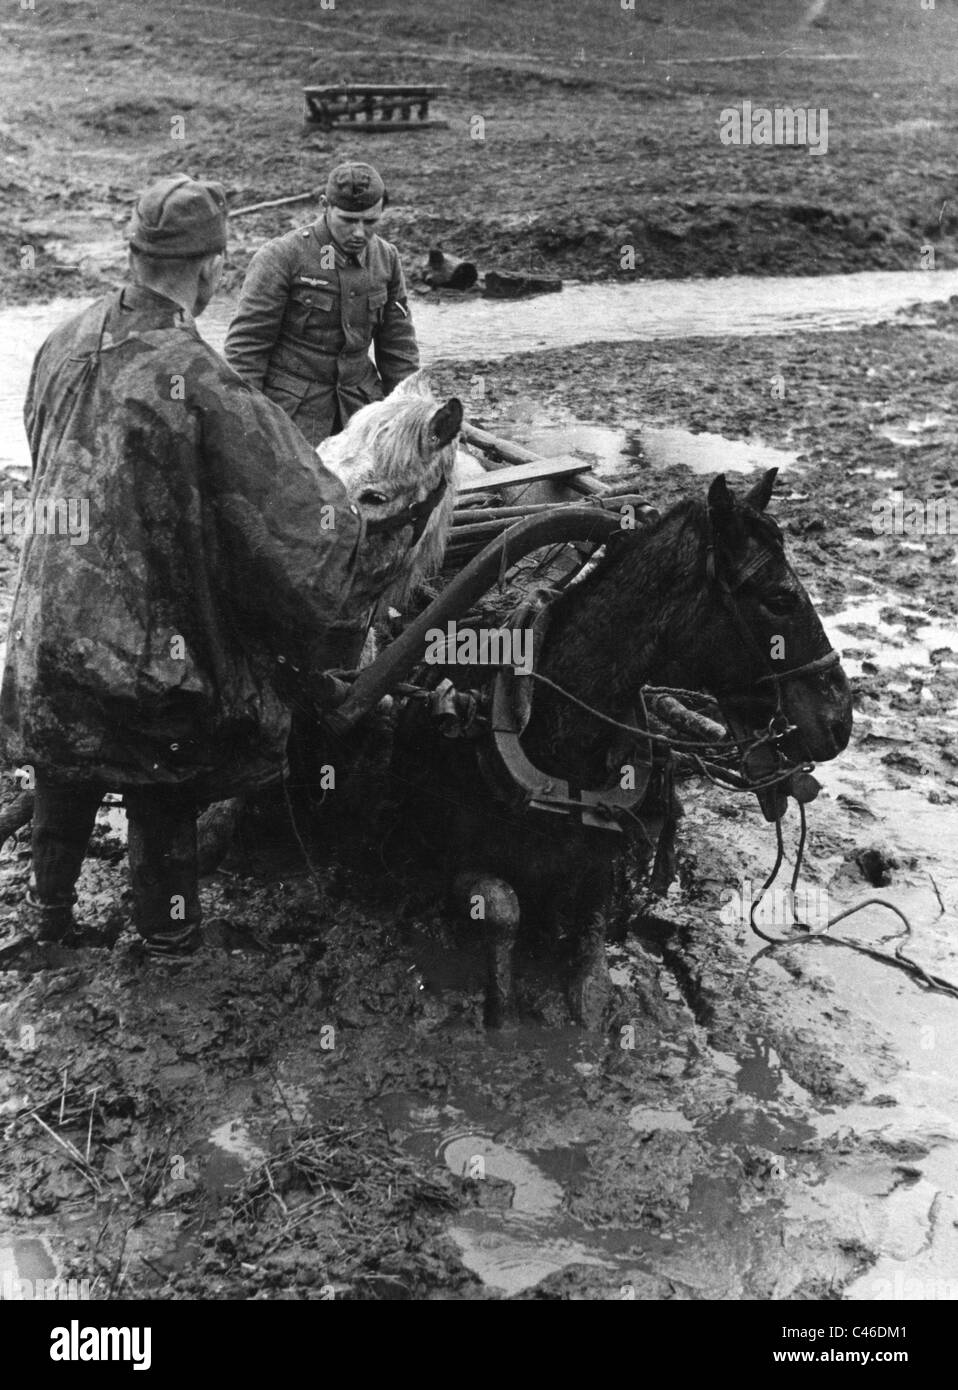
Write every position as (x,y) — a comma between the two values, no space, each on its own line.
(912,435)
(893,1156)
(27,1258)
(920,646)
(516,1235)
(232,1155)
(612,451)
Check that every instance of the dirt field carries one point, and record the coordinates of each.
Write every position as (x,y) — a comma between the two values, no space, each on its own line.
(600,130)
(298,1114)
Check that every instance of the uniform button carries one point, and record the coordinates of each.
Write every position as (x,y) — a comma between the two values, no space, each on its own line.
(174,747)
(19,634)
(352,294)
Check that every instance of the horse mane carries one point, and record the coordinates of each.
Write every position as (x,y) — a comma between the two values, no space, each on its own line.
(395,431)
(679,535)
(681,529)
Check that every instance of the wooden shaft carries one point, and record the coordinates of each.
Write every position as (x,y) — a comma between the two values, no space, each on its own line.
(276,202)
(466,516)
(395,663)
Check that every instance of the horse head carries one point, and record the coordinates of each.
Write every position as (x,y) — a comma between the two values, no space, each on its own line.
(396,459)
(764,654)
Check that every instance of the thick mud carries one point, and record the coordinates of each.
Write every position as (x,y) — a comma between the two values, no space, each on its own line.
(311,1107)
(315,1109)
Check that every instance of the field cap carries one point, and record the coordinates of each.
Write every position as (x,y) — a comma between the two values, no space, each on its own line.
(179,216)
(354,187)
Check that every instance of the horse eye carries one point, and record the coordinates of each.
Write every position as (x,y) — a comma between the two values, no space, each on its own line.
(372,498)
(780,603)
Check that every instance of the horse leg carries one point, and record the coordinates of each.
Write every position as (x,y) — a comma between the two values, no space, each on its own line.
(589,985)
(494,903)
(215,829)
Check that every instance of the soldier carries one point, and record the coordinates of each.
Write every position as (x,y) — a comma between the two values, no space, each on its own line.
(150,658)
(312,303)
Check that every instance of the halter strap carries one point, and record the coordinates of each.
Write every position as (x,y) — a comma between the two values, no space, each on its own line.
(810,668)
(416,515)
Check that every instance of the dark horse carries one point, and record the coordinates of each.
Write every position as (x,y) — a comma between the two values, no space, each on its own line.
(703,599)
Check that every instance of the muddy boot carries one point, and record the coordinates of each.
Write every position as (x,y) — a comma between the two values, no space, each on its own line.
(63,817)
(161,848)
(46,921)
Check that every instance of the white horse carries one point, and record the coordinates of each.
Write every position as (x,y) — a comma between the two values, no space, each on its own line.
(397,461)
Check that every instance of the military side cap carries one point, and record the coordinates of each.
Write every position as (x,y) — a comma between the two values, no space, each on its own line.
(354,187)
(179,216)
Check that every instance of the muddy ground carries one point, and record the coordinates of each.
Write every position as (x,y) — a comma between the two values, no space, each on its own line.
(600,130)
(313,1108)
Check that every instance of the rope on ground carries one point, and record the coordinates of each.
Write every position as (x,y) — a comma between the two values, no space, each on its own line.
(711,771)
(898,960)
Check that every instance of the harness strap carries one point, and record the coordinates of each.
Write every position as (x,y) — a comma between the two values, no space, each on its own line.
(727,591)
(416,515)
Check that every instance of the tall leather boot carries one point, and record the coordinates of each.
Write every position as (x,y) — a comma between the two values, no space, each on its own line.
(161,848)
(63,817)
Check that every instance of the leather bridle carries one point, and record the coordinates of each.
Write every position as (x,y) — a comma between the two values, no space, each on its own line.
(727,593)
(416,515)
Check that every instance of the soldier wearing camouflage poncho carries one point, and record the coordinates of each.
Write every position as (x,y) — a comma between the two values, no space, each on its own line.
(148,659)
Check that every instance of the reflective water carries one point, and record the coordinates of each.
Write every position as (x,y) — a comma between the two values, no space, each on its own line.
(467,328)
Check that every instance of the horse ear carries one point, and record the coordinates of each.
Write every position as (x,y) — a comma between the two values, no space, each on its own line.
(721,501)
(760,495)
(445,424)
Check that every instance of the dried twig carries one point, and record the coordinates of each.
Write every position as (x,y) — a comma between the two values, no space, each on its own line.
(72,1152)
(89,1133)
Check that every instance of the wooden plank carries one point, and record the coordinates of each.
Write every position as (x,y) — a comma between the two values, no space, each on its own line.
(537,472)
(516,454)
(359,89)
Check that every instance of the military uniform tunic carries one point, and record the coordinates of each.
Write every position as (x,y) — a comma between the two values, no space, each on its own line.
(307,316)
(219,551)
